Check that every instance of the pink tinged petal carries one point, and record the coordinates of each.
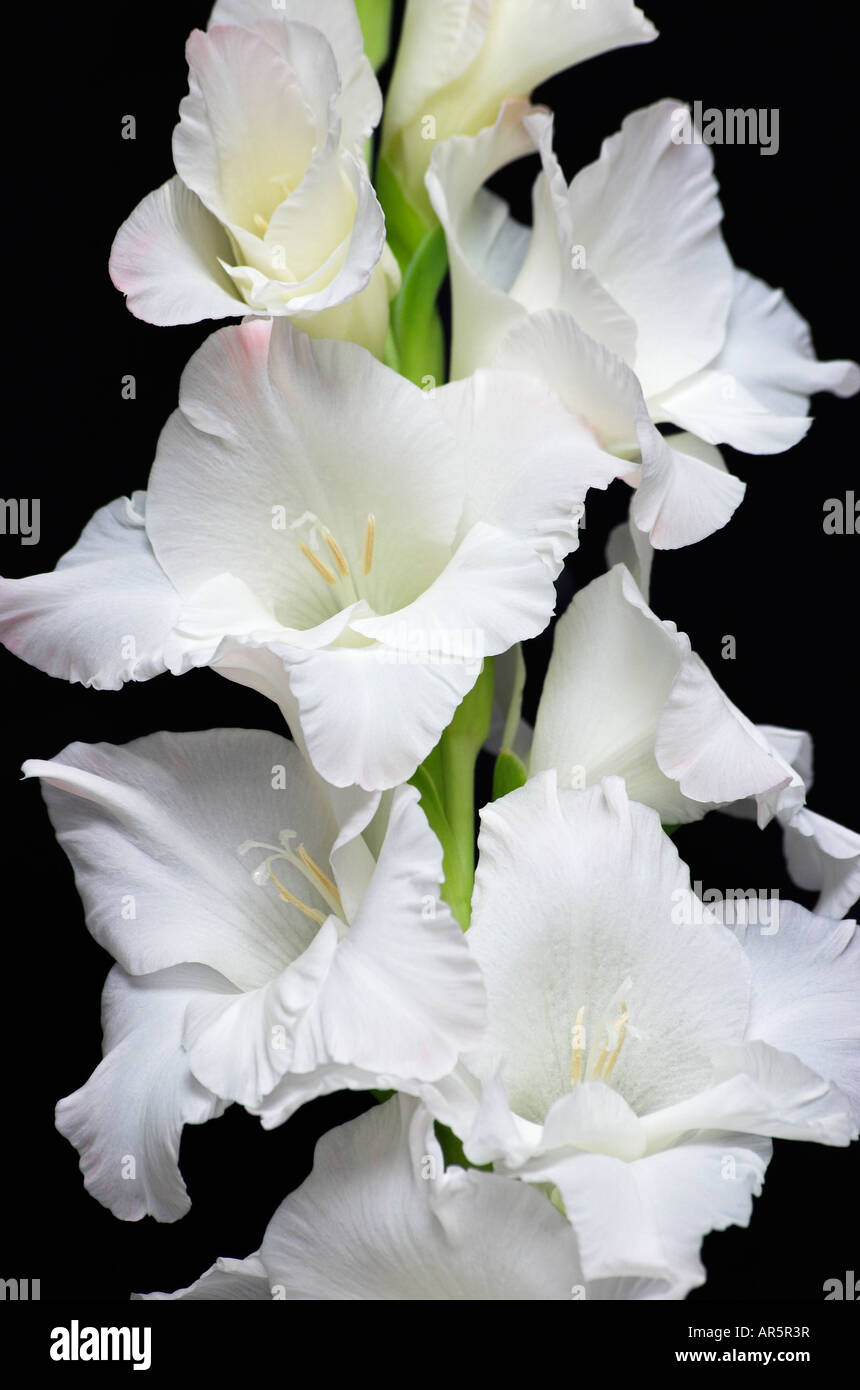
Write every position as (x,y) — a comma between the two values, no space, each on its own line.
(675,279)
(127,1120)
(256,430)
(103,615)
(231,1280)
(167,258)
(153,829)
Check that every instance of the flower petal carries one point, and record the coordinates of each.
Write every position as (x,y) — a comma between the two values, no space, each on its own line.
(153,830)
(103,615)
(233,1280)
(167,258)
(127,1120)
(806,990)
(379,1218)
(676,281)
(755,395)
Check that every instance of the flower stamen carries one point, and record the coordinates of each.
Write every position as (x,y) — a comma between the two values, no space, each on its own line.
(319,565)
(291,898)
(369,541)
(339,557)
(578,1045)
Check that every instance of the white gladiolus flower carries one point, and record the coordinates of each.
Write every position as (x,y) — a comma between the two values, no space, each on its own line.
(459,59)
(319,528)
(626,695)
(639,1054)
(624,298)
(271,210)
(381,1218)
(264,954)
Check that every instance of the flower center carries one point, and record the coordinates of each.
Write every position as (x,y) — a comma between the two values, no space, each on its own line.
(282,183)
(594,1058)
(307,867)
(331,563)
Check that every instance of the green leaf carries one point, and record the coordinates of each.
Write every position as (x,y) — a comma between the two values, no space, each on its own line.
(670,829)
(374,17)
(456,890)
(508,774)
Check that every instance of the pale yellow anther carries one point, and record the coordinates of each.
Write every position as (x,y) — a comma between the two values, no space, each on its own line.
(289,897)
(578,1043)
(339,557)
(621,1029)
(260,223)
(319,565)
(322,879)
(369,539)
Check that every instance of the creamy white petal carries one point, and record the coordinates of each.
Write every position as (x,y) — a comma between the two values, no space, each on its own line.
(127,1120)
(625,695)
(825,857)
(575,895)
(371,714)
(360,101)
(755,394)
(675,280)
(245,123)
(648,1218)
(153,831)
(458,59)
(167,259)
(397,995)
(684,490)
(805,989)
(103,615)
(273,426)
(496,271)
(531,462)
(380,1218)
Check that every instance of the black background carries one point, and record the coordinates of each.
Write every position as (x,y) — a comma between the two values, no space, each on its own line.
(772,578)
